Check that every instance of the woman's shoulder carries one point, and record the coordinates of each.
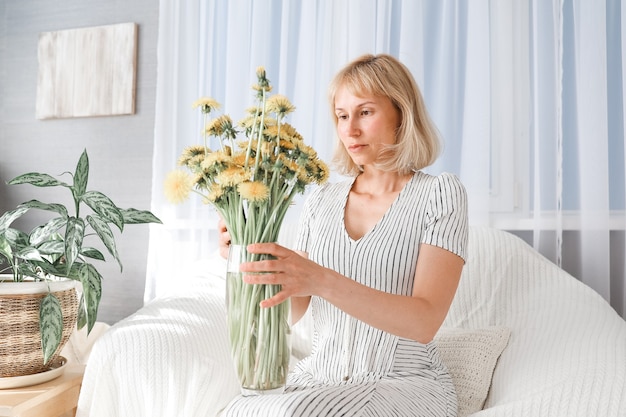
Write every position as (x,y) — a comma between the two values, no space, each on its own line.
(444,181)
(441,177)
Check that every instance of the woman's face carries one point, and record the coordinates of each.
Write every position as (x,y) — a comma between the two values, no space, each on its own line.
(365,124)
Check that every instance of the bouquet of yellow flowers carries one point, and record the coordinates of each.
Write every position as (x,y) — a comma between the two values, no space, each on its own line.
(251,183)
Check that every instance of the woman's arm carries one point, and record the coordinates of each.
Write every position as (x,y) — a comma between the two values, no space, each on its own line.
(416,317)
(299,305)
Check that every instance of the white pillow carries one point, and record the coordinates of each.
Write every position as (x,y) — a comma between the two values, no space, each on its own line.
(470,356)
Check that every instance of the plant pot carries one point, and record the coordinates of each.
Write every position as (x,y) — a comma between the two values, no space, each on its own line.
(259,337)
(20,339)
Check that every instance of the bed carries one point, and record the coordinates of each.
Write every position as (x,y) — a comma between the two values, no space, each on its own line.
(522,338)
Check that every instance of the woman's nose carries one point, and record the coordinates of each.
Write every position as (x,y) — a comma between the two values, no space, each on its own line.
(352,128)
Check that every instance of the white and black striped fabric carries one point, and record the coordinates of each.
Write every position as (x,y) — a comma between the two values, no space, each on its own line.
(355,369)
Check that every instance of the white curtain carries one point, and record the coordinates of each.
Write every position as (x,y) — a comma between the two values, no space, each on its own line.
(577,164)
(520,90)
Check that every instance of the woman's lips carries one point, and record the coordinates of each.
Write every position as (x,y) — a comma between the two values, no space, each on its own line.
(355,148)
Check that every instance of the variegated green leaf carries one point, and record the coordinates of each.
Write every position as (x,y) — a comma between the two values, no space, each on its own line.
(37,179)
(58,208)
(93,253)
(103,205)
(74,234)
(46,231)
(29,253)
(5,249)
(50,325)
(134,216)
(27,269)
(49,268)
(52,247)
(10,216)
(16,238)
(104,232)
(74,271)
(92,292)
(81,176)
(82,313)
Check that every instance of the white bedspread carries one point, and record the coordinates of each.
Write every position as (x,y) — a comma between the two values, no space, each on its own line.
(566,355)
(169,359)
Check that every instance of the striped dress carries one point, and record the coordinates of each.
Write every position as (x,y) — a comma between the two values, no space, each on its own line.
(355,369)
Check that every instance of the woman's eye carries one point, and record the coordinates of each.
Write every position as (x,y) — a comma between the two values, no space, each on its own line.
(366,112)
(342,117)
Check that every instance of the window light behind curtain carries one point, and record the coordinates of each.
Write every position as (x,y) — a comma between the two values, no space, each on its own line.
(514,86)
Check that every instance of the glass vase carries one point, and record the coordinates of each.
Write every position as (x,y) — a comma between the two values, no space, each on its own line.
(260,340)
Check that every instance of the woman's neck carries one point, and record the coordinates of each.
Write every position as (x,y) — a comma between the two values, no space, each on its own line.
(381,181)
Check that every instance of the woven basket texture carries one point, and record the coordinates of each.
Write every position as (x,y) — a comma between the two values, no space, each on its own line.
(20,340)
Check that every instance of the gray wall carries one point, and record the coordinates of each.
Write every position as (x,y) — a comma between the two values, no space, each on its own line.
(120,147)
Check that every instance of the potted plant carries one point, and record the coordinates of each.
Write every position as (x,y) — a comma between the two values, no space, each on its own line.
(52,254)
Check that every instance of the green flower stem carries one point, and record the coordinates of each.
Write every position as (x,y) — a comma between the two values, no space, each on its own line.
(259,336)
(260,133)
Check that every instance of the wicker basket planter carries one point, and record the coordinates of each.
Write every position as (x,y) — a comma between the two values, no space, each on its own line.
(20,339)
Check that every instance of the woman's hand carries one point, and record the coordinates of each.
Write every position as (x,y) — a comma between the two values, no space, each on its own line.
(292,270)
(223,238)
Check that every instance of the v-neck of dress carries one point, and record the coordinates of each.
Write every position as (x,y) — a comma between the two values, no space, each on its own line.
(382,218)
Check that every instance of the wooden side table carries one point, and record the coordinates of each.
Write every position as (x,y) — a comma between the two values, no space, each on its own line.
(55,398)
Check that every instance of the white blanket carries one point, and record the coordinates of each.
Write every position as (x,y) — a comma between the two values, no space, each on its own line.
(171,358)
(566,355)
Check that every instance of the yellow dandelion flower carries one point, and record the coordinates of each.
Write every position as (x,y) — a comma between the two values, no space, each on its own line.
(255,191)
(271,131)
(286,145)
(214,160)
(215,193)
(261,87)
(261,76)
(191,152)
(284,135)
(289,129)
(289,165)
(201,181)
(291,132)
(253,111)
(246,123)
(177,186)
(214,127)
(239,158)
(250,123)
(280,105)
(321,171)
(231,176)
(206,104)
(196,161)
(222,125)
(303,174)
(243,144)
(307,150)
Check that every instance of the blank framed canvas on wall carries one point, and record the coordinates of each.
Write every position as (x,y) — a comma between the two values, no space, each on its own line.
(87,72)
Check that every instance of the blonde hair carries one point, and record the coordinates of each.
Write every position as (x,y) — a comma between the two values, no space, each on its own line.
(417,138)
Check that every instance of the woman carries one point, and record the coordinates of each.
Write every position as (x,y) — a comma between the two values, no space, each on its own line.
(378,260)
